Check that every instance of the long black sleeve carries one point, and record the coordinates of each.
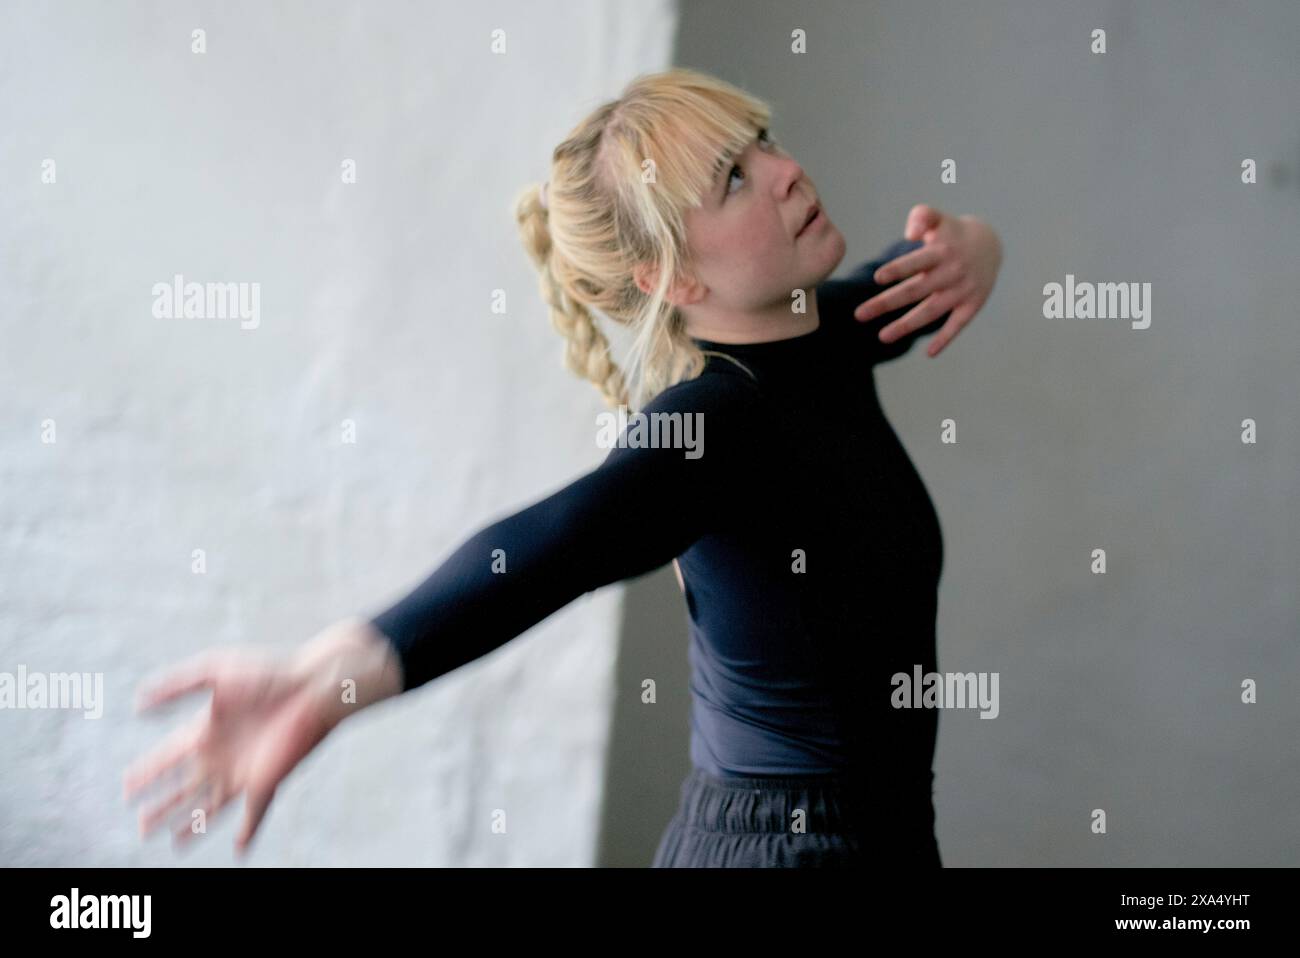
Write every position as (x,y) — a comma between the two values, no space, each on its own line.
(633,513)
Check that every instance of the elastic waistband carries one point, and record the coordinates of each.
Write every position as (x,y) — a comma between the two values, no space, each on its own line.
(829,803)
(767,804)
(769,781)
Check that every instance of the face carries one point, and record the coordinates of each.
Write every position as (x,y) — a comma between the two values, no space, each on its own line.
(751,245)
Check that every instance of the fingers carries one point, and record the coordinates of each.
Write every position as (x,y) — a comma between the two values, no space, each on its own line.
(211,797)
(960,317)
(928,311)
(190,676)
(202,792)
(900,267)
(896,297)
(255,805)
(920,219)
(185,795)
(174,749)
(911,290)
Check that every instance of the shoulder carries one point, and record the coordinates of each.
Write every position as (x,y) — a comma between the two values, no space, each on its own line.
(723,388)
(716,409)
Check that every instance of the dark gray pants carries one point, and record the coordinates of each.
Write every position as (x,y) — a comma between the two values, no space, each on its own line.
(797,822)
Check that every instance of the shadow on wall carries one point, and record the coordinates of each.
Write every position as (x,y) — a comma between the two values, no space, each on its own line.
(649,743)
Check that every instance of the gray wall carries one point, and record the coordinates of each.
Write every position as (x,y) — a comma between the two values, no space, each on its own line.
(1119,691)
(182,434)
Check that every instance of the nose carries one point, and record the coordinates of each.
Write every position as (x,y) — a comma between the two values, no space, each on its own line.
(789,178)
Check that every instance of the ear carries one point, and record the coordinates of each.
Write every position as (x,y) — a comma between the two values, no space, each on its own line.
(680,293)
(645,277)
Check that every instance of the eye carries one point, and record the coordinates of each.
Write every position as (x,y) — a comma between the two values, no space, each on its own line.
(734,171)
(764,139)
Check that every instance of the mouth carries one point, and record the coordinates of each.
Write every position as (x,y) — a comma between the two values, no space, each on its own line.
(814,216)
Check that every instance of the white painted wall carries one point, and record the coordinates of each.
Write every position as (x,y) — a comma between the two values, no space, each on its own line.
(182,434)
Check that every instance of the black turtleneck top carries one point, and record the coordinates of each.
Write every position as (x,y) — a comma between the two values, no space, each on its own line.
(809,548)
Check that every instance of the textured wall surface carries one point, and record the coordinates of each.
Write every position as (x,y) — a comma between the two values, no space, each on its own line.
(1119,691)
(177,434)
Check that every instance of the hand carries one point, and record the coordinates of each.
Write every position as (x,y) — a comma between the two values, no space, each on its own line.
(264,717)
(953,272)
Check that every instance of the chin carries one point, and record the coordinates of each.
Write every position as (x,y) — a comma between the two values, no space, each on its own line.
(830,251)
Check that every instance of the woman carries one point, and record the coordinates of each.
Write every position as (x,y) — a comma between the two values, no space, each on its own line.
(806,545)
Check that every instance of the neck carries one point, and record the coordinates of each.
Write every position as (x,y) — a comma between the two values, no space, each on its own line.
(769,325)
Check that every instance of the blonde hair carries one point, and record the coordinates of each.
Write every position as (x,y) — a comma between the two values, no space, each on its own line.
(619,186)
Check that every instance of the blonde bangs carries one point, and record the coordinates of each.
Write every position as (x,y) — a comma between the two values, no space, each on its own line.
(690,132)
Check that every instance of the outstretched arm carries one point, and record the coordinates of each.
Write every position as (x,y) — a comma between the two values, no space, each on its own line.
(636,511)
(632,514)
